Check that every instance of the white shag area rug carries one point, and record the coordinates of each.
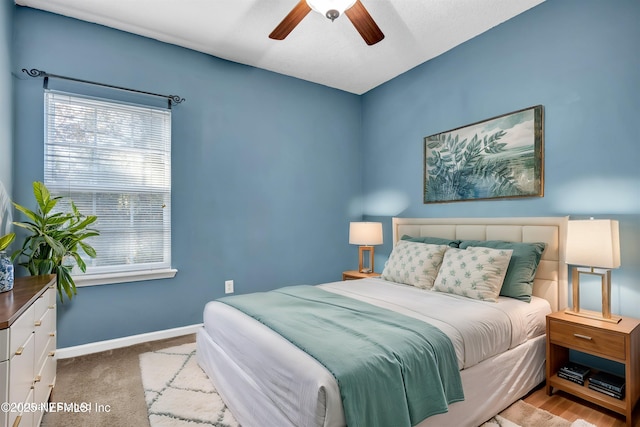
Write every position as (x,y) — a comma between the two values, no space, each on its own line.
(179,394)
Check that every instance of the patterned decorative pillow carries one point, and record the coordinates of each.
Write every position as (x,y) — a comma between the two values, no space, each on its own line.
(474,272)
(518,282)
(414,263)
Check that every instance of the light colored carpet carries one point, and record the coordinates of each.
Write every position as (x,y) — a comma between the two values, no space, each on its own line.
(110,378)
(179,394)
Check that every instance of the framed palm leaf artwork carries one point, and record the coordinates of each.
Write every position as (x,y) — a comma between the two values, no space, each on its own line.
(497,158)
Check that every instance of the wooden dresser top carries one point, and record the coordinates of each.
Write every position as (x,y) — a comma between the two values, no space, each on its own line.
(24,293)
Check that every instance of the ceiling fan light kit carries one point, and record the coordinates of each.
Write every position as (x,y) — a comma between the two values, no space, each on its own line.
(354,9)
(330,8)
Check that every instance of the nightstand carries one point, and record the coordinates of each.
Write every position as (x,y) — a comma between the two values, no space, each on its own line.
(619,342)
(355,274)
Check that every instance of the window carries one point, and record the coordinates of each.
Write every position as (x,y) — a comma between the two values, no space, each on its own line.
(113,160)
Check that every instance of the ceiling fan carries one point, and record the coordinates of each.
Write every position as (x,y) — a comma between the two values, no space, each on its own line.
(332,9)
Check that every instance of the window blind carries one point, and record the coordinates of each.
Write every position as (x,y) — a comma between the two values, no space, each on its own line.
(113,160)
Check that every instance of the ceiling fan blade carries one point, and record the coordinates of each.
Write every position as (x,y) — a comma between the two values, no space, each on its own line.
(364,23)
(290,21)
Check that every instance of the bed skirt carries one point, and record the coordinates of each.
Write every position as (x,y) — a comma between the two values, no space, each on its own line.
(489,387)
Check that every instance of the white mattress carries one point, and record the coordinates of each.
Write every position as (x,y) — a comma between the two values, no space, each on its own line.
(299,391)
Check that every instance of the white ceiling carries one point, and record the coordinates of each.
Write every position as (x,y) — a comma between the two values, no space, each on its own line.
(318,50)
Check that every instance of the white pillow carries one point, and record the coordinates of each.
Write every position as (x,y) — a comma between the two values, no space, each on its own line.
(414,263)
(474,272)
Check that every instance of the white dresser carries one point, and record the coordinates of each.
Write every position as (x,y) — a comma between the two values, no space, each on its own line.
(27,350)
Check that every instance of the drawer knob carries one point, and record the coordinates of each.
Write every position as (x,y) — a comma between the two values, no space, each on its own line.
(19,351)
(52,334)
(38,379)
(584,337)
(38,323)
(52,353)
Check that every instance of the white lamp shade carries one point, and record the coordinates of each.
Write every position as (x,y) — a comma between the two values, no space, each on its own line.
(593,243)
(365,233)
(323,6)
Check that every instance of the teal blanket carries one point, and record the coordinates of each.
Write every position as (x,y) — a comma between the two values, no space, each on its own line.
(392,370)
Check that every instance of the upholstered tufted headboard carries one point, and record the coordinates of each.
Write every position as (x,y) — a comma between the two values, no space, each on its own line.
(551,281)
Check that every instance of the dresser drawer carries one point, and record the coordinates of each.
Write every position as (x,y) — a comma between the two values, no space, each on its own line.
(585,338)
(45,334)
(47,376)
(21,372)
(43,385)
(21,330)
(40,306)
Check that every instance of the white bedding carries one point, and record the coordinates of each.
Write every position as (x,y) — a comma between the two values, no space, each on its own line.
(485,330)
(298,391)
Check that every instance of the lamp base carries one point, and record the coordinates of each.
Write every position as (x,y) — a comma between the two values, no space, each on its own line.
(362,268)
(605,277)
(595,315)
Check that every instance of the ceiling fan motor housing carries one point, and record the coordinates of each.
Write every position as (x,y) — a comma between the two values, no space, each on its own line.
(332,14)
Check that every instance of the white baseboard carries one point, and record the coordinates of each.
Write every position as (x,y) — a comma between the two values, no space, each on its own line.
(95,347)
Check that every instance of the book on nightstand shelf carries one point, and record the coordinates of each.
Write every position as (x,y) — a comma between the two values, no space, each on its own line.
(610,384)
(574,372)
(606,391)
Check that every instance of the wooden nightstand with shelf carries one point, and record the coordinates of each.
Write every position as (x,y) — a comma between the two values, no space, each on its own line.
(619,342)
(355,274)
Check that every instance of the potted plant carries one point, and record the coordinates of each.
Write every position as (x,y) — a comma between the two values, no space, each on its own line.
(6,266)
(54,238)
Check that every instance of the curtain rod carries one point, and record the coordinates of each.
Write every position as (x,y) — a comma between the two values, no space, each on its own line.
(38,73)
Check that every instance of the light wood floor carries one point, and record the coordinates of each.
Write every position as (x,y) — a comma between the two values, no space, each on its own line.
(572,408)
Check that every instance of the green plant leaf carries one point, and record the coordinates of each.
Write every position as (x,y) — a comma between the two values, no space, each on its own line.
(57,219)
(29,213)
(80,262)
(41,195)
(6,240)
(65,282)
(57,247)
(88,249)
(84,223)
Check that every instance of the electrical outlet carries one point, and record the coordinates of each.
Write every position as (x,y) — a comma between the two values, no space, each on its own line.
(228,286)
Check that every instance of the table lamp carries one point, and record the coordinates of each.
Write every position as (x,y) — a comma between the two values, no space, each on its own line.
(365,234)
(593,247)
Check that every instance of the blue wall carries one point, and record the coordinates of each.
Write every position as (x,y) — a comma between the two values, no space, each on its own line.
(262,189)
(580,60)
(263,192)
(6,95)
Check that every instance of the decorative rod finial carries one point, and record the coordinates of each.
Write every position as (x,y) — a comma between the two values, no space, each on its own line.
(176,99)
(34,72)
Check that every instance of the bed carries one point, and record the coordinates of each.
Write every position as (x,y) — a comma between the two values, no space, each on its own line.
(268,381)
